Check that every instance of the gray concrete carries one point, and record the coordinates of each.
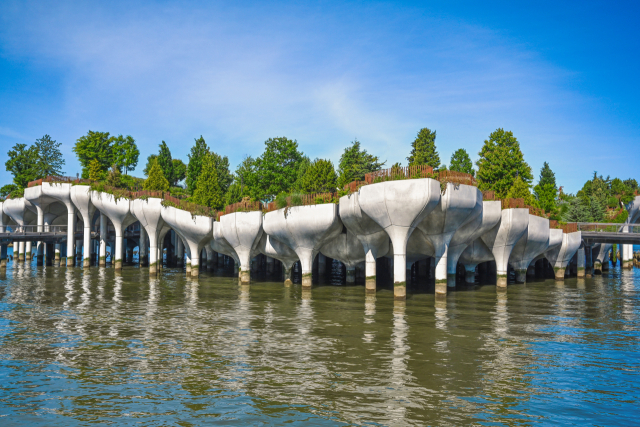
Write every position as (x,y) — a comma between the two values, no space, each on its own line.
(347,249)
(275,249)
(532,244)
(195,230)
(560,255)
(242,231)
(119,212)
(149,213)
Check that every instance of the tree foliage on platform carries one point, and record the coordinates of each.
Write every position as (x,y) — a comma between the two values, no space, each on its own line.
(423,150)
(319,177)
(355,163)
(208,192)
(197,155)
(156,180)
(460,162)
(501,162)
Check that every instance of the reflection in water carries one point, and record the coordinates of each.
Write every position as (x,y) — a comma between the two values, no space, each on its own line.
(97,346)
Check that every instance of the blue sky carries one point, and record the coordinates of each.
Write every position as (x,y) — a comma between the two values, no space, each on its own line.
(561,75)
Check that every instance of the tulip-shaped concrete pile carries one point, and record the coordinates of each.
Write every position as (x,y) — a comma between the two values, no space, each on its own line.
(374,239)
(196,231)
(532,243)
(398,207)
(16,210)
(81,198)
(304,229)
(220,244)
(503,237)
(119,212)
(47,209)
(274,248)
(560,255)
(468,234)
(458,205)
(601,261)
(346,248)
(62,193)
(242,231)
(149,213)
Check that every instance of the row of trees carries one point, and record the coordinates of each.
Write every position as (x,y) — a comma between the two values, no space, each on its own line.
(283,168)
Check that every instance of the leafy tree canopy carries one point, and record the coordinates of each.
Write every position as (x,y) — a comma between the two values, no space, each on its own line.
(22,164)
(156,180)
(520,190)
(500,162)
(49,158)
(125,153)
(7,190)
(277,169)
(165,161)
(95,171)
(225,178)
(460,162)
(319,177)
(179,171)
(355,163)
(150,161)
(423,150)
(196,157)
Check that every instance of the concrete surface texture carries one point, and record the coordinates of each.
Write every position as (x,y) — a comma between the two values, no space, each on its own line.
(374,239)
(119,213)
(346,248)
(195,230)
(149,213)
(458,205)
(532,243)
(560,255)
(220,244)
(275,249)
(488,218)
(243,230)
(398,207)
(304,229)
(81,199)
(503,237)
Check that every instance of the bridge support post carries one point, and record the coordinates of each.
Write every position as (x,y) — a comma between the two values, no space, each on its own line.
(142,247)
(28,254)
(179,252)
(102,257)
(588,259)
(3,256)
(627,256)
(20,257)
(322,264)
(71,226)
(581,262)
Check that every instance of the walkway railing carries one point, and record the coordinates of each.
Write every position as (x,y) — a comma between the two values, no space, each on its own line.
(33,229)
(608,227)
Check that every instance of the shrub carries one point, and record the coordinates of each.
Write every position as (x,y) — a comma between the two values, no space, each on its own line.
(612,202)
(281,201)
(296,199)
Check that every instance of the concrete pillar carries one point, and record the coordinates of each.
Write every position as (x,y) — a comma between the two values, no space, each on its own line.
(581,262)
(142,247)
(470,274)
(521,275)
(179,252)
(3,256)
(322,264)
(210,260)
(71,228)
(287,274)
(351,274)
(627,254)
(271,263)
(588,261)
(86,245)
(20,251)
(102,259)
(370,273)
(28,256)
(49,258)
(116,255)
(188,265)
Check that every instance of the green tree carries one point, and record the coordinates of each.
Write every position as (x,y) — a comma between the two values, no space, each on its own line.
(125,153)
(196,157)
(150,161)
(114,177)
(578,211)
(320,177)
(500,162)
(179,171)
(156,180)
(225,178)
(23,164)
(208,192)
(49,158)
(546,191)
(355,163)
(243,184)
(165,161)
(520,190)
(94,145)
(277,169)
(631,183)
(460,162)
(6,190)
(423,150)
(95,171)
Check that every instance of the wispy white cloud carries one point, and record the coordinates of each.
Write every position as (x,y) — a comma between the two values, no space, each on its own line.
(240,74)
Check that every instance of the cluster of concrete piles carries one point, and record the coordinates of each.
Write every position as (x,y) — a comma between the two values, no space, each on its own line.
(405,221)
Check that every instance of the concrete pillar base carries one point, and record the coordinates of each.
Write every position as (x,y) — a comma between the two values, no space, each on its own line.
(400,290)
(441,288)
(521,276)
(153,269)
(245,276)
(20,257)
(188,269)
(581,272)
(559,273)
(605,266)
(470,277)
(288,283)
(195,271)
(3,264)
(351,275)
(451,280)
(501,281)
(370,284)
(306,281)
(627,264)
(86,263)
(40,260)
(69,262)
(118,264)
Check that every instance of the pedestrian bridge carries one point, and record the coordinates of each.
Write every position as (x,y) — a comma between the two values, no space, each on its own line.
(594,233)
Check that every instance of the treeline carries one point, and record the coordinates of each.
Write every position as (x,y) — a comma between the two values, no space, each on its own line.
(283,169)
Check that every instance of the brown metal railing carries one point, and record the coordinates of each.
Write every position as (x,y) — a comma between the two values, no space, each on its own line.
(512,203)
(422,171)
(307,200)
(63,179)
(457,178)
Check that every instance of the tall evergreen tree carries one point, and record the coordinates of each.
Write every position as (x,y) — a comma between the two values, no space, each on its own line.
(423,150)
(50,159)
(208,192)
(500,162)
(156,180)
(165,161)
(460,162)
(520,190)
(198,152)
(355,163)
(179,171)
(546,191)
(150,161)
(225,178)
(319,177)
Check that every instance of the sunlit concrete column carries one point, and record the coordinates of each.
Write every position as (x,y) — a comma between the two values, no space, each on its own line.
(102,261)
(20,257)
(86,245)
(27,251)
(627,254)
(581,262)
(370,273)
(188,267)
(71,227)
